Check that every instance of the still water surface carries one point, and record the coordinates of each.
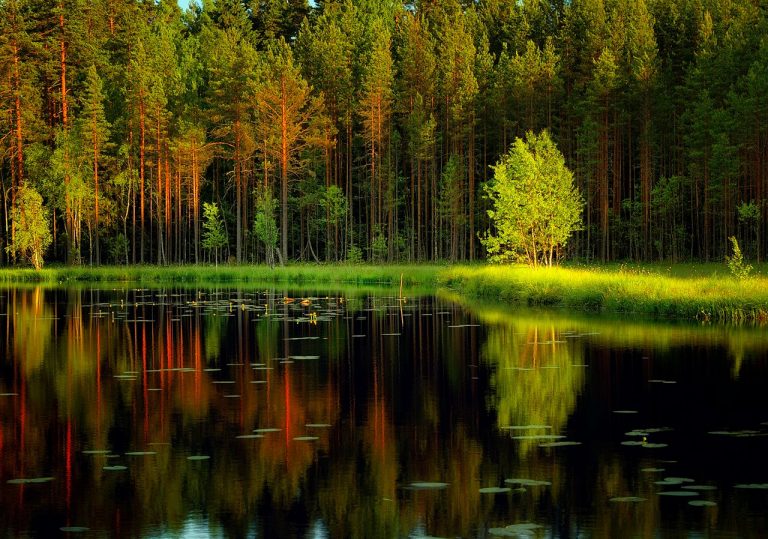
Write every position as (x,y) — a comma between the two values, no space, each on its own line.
(238,413)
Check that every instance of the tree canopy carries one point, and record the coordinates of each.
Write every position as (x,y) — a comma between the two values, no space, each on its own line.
(127,116)
(536,206)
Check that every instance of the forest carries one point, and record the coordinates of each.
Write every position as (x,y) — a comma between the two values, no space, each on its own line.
(365,130)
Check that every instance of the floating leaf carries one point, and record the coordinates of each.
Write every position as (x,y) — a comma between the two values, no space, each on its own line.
(249,436)
(650,445)
(652,470)
(756,486)
(539,437)
(28,481)
(96,452)
(702,503)
(631,442)
(700,487)
(559,444)
(627,499)
(198,457)
(625,411)
(74,529)
(141,453)
(527,427)
(678,493)
(317,425)
(267,430)
(524,529)
(636,433)
(115,468)
(427,485)
(680,479)
(494,490)
(527,482)
(306,438)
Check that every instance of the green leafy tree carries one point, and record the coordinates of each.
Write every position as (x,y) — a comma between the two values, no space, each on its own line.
(736,264)
(214,233)
(95,129)
(290,121)
(29,218)
(536,206)
(264,225)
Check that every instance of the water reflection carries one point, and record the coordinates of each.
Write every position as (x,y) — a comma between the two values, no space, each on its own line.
(317,415)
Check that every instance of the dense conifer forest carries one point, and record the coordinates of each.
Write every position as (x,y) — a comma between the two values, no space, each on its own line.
(366,129)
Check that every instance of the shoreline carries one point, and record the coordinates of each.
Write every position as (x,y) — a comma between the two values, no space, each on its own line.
(685,291)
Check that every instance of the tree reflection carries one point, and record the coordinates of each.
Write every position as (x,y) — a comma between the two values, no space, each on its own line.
(417,395)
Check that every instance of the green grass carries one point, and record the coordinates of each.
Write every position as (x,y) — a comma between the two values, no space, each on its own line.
(678,293)
(692,291)
(298,274)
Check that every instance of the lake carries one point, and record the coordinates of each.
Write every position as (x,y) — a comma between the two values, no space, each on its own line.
(281,413)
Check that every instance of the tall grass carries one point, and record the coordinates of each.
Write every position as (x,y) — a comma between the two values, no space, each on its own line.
(299,274)
(620,289)
(704,292)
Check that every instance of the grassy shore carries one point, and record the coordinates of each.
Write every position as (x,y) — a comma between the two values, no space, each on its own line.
(692,291)
(298,274)
(668,292)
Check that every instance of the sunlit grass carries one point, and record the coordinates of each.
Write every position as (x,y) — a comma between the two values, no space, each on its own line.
(701,291)
(298,274)
(651,290)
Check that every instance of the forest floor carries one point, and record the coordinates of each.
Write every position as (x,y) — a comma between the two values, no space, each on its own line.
(691,291)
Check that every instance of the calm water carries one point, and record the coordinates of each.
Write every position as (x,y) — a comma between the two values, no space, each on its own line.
(194,413)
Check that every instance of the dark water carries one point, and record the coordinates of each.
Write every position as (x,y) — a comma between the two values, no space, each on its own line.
(387,419)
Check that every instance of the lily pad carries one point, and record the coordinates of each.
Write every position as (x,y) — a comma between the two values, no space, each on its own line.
(249,436)
(427,485)
(141,453)
(631,442)
(29,480)
(306,438)
(198,457)
(652,470)
(650,445)
(539,437)
(559,444)
(699,487)
(625,411)
(524,529)
(636,433)
(96,452)
(115,468)
(267,430)
(527,427)
(622,499)
(680,493)
(702,503)
(527,482)
(494,490)
(754,486)
(317,425)
(74,529)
